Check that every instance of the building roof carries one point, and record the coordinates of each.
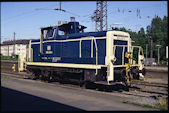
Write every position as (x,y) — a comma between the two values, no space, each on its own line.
(11,42)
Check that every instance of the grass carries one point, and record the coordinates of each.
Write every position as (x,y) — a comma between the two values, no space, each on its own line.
(162,107)
(147,106)
(127,102)
(162,104)
(142,105)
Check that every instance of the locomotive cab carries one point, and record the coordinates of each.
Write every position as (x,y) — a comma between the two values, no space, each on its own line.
(66,29)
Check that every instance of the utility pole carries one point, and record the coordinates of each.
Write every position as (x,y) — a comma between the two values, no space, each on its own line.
(100,16)
(60,5)
(151,47)
(14,44)
(146,49)
(8,50)
(159,46)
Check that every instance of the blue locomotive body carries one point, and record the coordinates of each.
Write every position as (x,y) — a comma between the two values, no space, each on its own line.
(100,55)
(68,51)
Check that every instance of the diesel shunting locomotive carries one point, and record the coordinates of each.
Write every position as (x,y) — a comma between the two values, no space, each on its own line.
(86,56)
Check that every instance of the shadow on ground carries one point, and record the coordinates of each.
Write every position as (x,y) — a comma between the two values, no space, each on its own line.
(115,87)
(102,87)
(12,100)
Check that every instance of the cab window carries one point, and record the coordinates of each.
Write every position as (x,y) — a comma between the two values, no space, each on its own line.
(48,33)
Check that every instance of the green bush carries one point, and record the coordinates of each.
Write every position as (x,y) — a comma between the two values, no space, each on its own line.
(163,62)
(8,57)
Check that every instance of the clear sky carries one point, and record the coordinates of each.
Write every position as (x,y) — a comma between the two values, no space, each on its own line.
(23,18)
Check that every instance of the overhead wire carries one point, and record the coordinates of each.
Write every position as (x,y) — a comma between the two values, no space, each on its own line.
(22,14)
(58,9)
(33,11)
(20,17)
(72,13)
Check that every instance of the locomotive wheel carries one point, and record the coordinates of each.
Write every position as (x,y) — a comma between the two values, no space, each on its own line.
(135,73)
(61,80)
(48,79)
(44,75)
(35,77)
(123,74)
(90,85)
(143,71)
(41,77)
(87,84)
(32,76)
(81,82)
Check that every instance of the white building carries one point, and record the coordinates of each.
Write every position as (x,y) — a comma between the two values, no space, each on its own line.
(8,48)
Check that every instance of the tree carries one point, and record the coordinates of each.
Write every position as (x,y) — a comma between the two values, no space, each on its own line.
(157,31)
(148,38)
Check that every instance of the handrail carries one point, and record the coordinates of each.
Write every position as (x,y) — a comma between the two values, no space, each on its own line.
(80,47)
(123,46)
(123,56)
(41,42)
(132,47)
(140,50)
(96,55)
(92,52)
(132,54)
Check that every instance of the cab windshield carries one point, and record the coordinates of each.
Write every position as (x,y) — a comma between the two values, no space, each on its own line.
(48,33)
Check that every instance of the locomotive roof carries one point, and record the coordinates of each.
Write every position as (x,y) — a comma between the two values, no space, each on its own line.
(76,36)
(49,27)
(63,27)
(80,35)
(72,30)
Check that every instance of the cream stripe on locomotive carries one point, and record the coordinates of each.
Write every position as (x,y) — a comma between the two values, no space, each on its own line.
(68,65)
(80,39)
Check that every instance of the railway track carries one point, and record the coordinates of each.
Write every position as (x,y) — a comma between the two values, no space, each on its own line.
(149,91)
(137,88)
(149,87)
(137,82)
